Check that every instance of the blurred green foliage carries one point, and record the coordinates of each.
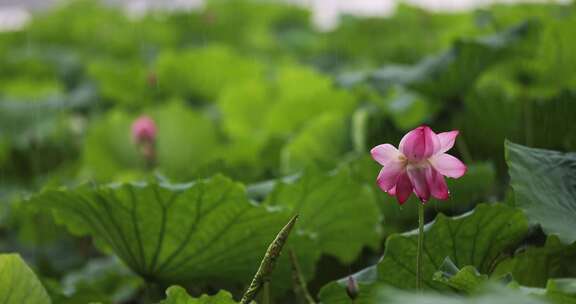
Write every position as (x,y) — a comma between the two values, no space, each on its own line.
(253,91)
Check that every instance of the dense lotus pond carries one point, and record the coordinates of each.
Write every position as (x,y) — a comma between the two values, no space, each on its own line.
(236,153)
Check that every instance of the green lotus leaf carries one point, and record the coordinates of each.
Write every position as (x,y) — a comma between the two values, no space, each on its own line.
(165,233)
(543,183)
(178,295)
(476,238)
(18,283)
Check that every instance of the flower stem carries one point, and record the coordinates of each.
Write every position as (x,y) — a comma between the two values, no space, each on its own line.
(420,247)
(266,293)
(298,279)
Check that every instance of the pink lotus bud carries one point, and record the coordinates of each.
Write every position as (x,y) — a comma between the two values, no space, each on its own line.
(352,288)
(144,135)
(144,130)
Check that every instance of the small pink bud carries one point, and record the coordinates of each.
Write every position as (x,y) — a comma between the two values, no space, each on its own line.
(352,288)
(144,130)
(144,135)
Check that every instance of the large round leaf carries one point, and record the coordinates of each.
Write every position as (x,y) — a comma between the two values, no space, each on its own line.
(339,213)
(534,266)
(194,232)
(544,182)
(476,239)
(18,284)
(178,295)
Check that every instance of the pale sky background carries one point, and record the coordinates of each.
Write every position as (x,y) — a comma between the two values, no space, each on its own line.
(15,13)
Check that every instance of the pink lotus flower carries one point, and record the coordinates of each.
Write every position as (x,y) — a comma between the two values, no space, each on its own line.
(419,165)
(144,130)
(144,136)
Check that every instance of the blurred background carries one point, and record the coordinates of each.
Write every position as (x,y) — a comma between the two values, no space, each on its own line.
(260,91)
(324,13)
